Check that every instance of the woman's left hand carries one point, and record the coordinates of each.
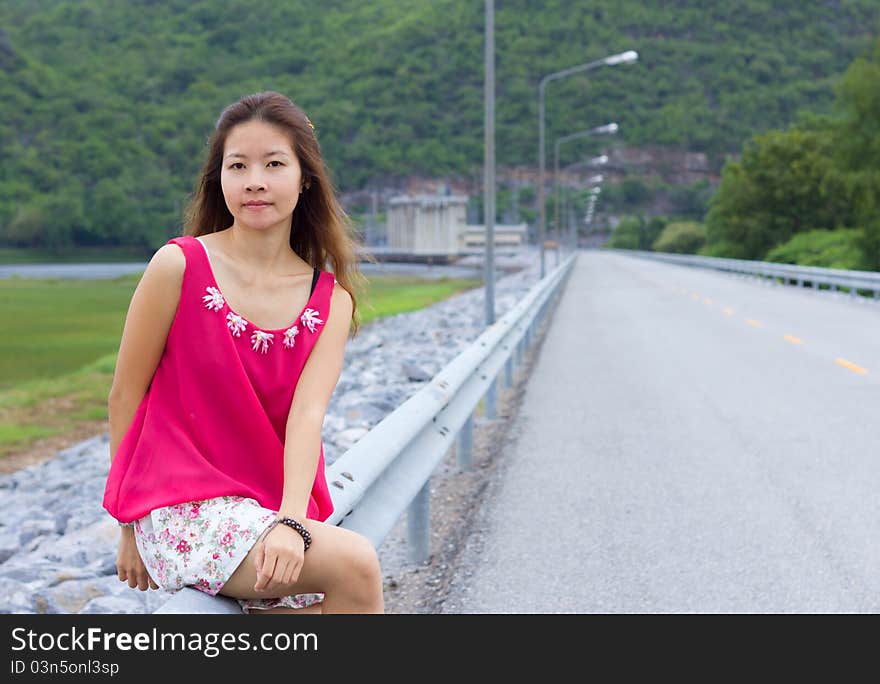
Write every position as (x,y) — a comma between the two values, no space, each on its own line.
(279,560)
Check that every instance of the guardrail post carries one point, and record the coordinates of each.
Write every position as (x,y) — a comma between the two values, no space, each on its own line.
(492,399)
(463,449)
(418,525)
(508,372)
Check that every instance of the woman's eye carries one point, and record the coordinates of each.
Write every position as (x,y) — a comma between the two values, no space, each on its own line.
(236,165)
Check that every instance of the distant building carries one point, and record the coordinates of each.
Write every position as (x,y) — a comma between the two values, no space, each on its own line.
(426,224)
(505,235)
(436,226)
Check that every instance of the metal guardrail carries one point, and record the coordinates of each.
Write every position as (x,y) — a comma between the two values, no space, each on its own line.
(834,278)
(388,471)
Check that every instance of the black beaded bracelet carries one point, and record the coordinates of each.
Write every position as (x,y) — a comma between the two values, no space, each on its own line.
(304,533)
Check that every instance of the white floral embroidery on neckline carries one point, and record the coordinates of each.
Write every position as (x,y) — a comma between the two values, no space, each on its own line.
(260,339)
(213,300)
(235,323)
(289,336)
(310,319)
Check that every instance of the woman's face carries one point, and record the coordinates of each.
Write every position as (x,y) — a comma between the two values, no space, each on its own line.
(261,177)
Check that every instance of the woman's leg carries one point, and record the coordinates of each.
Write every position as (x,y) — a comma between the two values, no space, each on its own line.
(341,564)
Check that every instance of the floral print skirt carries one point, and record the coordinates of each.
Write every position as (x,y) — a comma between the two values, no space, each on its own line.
(201,543)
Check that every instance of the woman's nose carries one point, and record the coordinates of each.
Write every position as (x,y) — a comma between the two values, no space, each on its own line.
(255,184)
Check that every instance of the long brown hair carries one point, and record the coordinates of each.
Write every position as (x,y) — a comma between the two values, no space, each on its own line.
(320,229)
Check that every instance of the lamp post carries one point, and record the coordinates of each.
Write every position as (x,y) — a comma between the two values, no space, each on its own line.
(623,58)
(489,162)
(595,161)
(594,182)
(607,129)
(594,195)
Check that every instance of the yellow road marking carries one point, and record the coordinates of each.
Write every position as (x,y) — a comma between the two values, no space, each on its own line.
(849,365)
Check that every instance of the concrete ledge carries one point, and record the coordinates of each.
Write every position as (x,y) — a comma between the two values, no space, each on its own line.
(189,601)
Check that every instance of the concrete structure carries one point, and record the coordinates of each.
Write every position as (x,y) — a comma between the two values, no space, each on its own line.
(435,227)
(426,224)
(505,235)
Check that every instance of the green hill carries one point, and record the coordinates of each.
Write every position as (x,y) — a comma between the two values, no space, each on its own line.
(106,105)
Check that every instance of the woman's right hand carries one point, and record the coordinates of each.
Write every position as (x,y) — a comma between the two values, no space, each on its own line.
(279,559)
(129,565)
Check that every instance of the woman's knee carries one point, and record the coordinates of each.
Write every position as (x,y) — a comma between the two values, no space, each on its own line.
(364,563)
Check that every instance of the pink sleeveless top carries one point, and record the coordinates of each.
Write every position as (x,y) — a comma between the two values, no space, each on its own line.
(213,420)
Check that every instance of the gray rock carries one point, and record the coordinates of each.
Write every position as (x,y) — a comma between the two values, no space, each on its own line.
(113,604)
(8,545)
(36,542)
(106,565)
(370,379)
(347,438)
(364,413)
(43,604)
(59,485)
(61,522)
(73,595)
(415,373)
(17,596)
(67,574)
(31,529)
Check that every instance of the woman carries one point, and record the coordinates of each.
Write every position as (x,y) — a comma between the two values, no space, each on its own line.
(219,395)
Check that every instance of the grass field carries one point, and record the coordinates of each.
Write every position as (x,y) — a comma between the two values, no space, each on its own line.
(58,355)
(80,255)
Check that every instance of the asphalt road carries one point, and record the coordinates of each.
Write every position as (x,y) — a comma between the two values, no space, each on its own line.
(689,441)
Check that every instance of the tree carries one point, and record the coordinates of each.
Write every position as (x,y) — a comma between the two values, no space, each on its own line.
(626,234)
(685,237)
(652,231)
(857,147)
(783,185)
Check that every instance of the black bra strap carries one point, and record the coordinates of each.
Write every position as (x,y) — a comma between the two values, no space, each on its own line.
(314,282)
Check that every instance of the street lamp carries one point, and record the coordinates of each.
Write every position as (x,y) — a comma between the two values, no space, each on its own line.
(489,171)
(594,195)
(607,129)
(623,58)
(594,180)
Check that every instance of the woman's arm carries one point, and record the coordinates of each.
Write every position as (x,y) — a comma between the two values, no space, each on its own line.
(280,556)
(302,443)
(150,314)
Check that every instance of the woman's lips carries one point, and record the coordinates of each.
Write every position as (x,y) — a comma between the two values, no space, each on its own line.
(256,206)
